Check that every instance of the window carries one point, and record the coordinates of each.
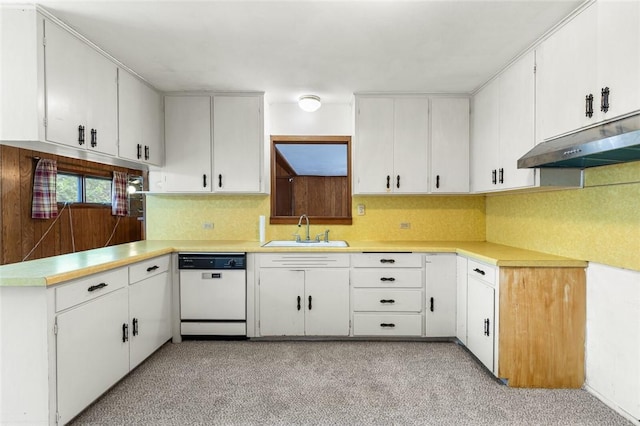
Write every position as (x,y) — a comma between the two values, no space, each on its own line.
(76,188)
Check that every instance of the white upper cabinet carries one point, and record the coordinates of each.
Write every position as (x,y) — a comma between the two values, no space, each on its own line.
(503,129)
(587,71)
(449,145)
(140,121)
(238,131)
(188,144)
(81,93)
(391,147)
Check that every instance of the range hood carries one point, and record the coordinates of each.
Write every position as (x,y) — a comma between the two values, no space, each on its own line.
(610,143)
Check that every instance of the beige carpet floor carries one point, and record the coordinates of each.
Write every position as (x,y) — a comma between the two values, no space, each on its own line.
(331,383)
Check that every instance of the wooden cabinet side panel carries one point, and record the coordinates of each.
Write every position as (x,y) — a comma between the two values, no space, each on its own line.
(542,327)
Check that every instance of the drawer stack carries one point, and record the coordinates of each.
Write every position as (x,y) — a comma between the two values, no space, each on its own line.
(387,294)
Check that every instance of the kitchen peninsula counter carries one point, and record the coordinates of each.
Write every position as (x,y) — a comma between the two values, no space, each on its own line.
(58,269)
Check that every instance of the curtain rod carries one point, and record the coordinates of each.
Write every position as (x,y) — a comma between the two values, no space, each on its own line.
(36,158)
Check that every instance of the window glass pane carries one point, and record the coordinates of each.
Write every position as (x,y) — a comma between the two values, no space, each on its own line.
(68,189)
(98,190)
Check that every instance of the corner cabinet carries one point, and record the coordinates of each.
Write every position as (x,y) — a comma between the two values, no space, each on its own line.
(525,324)
(140,121)
(303,294)
(503,129)
(213,144)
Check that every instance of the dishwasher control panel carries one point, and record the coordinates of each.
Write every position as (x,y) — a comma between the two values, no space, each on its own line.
(212,261)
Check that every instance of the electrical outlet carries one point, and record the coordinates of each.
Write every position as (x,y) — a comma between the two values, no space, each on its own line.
(405,225)
(361,211)
(207,225)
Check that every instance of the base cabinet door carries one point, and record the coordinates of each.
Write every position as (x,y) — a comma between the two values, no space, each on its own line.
(281,302)
(480,321)
(440,304)
(92,348)
(327,302)
(149,312)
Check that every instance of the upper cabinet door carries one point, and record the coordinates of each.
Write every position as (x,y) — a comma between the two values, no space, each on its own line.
(516,123)
(566,75)
(484,140)
(102,100)
(618,64)
(188,144)
(411,137)
(374,145)
(449,145)
(66,87)
(152,123)
(237,143)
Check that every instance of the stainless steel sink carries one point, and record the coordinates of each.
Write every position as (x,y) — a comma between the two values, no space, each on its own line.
(310,244)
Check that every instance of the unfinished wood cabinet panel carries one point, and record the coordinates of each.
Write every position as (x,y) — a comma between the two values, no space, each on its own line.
(542,327)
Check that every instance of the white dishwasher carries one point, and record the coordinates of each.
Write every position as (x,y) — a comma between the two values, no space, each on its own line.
(213,294)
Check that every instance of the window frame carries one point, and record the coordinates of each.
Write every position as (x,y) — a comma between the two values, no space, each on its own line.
(82,189)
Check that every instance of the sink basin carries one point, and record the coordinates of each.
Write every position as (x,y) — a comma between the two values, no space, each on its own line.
(312,244)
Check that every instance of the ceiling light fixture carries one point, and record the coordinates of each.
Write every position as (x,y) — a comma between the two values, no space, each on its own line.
(309,103)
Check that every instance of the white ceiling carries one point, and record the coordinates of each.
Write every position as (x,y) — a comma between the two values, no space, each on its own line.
(328,48)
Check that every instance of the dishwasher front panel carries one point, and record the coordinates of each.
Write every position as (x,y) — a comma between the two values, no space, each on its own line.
(213,295)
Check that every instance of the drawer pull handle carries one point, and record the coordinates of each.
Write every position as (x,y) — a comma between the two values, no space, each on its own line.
(387,261)
(387,325)
(125,332)
(391,279)
(97,287)
(431,304)
(152,268)
(135,327)
(480,271)
(486,327)
(387,301)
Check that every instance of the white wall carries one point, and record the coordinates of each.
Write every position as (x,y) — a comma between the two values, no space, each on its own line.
(613,337)
(330,119)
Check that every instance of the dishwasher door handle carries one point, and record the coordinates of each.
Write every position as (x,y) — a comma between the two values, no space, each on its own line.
(211,275)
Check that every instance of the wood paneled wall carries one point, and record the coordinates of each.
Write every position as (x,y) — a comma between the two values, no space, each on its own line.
(92,225)
(321,196)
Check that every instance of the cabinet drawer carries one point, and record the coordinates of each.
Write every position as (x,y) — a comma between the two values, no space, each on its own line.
(387,260)
(304,260)
(387,325)
(387,300)
(377,277)
(148,268)
(482,271)
(81,290)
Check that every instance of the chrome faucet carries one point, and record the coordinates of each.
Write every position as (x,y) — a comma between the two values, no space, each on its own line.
(304,216)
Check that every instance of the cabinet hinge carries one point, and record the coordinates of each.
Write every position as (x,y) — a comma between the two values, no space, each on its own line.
(44,41)
(55,327)
(44,120)
(535,68)
(57,418)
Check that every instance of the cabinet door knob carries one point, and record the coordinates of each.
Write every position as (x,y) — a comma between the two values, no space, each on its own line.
(204,180)
(437,181)
(139,151)
(299,302)
(494,178)
(431,304)
(125,332)
(398,181)
(501,176)
(486,327)
(388,181)
(146,152)
(94,138)
(604,99)
(135,326)
(309,302)
(81,135)
(220,181)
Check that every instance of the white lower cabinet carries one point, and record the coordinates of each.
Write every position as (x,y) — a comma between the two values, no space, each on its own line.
(461,299)
(149,308)
(310,298)
(440,304)
(105,328)
(92,351)
(387,294)
(480,321)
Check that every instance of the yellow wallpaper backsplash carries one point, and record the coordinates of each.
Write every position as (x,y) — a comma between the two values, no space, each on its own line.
(600,223)
(235,217)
